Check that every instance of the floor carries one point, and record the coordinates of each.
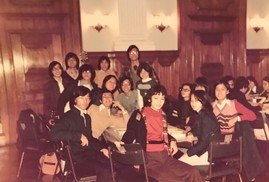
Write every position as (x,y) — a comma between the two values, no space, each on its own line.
(10,156)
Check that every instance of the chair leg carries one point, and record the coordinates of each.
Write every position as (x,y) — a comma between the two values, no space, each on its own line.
(223,179)
(266,137)
(19,170)
(240,178)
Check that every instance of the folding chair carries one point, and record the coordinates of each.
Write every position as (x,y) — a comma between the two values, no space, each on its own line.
(130,154)
(71,167)
(224,158)
(29,138)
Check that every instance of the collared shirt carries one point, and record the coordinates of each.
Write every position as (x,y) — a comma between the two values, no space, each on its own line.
(82,113)
(60,84)
(222,104)
(102,107)
(89,86)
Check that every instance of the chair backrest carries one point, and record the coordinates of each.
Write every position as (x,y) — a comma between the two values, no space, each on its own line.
(130,154)
(28,127)
(220,151)
(70,164)
(133,154)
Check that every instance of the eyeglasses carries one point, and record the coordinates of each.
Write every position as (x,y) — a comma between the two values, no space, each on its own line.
(185,90)
(134,52)
(88,71)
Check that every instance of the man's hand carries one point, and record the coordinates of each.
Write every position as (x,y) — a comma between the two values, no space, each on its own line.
(84,140)
(105,152)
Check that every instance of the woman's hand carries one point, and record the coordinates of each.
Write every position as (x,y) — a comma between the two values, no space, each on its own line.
(105,152)
(190,138)
(84,140)
(232,122)
(173,147)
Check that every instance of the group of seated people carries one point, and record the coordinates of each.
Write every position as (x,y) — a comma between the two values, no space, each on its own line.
(86,102)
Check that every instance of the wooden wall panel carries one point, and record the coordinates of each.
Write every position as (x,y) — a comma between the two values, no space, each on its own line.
(32,35)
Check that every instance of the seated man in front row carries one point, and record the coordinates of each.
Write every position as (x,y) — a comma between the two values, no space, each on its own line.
(103,117)
(75,127)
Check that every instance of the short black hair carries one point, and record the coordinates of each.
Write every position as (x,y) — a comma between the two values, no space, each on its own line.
(108,77)
(122,79)
(102,58)
(103,91)
(78,91)
(71,55)
(241,82)
(222,82)
(51,66)
(87,67)
(253,79)
(146,67)
(202,97)
(130,49)
(266,78)
(157,89)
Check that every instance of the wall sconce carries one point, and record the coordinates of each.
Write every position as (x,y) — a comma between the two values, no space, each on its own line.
(257,23)
(160,22)
(99,20)
(99,27)
(162,27)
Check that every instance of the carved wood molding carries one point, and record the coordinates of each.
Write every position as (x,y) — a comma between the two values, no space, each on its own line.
(165,58)
(34,15)
(256,56)
(211,38)
(32,2)
(36,40)
(212,4)
(210,18)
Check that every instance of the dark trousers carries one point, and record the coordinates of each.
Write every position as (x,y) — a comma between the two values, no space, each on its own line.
(252,162)
(164,168)
(96,165)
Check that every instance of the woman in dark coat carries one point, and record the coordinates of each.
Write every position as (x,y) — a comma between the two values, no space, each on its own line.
(52,90)
(204,126)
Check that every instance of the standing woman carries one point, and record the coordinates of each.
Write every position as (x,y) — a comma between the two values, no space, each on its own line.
(72,64)
(205,125)
(52,90)
(149,128)
(103,70)
(147,80)
(231,112)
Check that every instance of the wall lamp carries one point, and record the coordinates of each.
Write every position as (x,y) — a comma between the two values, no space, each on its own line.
(99,20)
(162,27)
(160,21)
(256,23)
(98,27)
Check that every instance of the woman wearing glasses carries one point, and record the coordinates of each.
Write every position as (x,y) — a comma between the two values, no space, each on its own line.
(181,110)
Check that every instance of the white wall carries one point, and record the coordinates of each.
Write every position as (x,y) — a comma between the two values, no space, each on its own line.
(104,40)
(259,40)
